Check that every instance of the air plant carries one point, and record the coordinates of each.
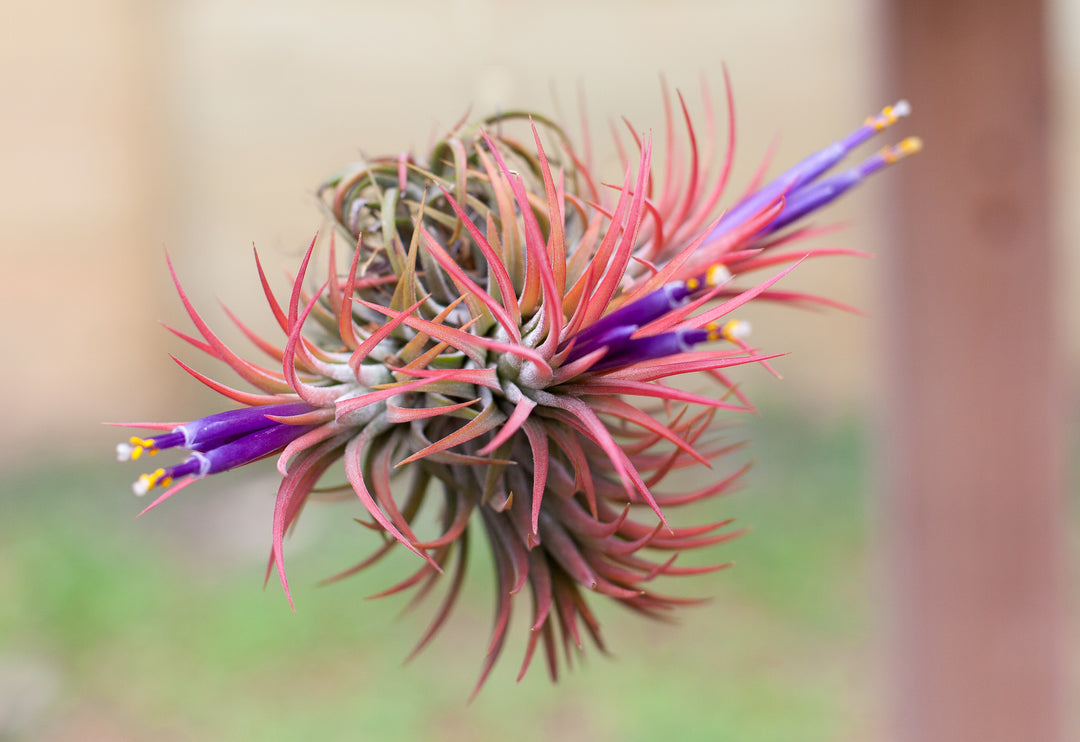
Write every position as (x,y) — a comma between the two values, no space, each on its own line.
(501,347)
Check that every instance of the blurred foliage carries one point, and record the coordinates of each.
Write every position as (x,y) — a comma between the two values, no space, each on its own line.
(150,632)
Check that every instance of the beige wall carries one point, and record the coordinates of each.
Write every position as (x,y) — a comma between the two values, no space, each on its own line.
(78,183)
(204,126)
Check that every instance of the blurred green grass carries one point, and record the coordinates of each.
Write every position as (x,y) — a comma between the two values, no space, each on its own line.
(159,628)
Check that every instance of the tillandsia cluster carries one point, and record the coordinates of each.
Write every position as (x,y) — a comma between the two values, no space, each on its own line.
(502,341)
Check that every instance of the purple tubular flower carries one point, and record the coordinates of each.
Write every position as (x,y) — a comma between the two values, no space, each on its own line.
(650,307)
(610,338)
(218,442)
(618,325)
(211,431)
(790,183)
(814,196)
(635,350)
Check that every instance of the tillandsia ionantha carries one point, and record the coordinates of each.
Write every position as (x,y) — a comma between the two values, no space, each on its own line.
(502,341)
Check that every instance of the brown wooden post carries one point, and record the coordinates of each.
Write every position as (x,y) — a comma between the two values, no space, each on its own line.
(971,447)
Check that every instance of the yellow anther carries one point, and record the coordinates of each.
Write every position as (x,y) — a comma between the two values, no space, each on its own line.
(147,482)
(907,147)
(138,445)
(883,120)
(910,146)
(714,331)
(692,284)
(889,115)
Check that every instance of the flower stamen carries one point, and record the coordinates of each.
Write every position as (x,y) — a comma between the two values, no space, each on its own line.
(146,482)
(899,151)
(136,447)
(889,115)
(734,331)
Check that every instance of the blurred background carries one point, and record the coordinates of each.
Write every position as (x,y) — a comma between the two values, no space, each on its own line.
(205,126)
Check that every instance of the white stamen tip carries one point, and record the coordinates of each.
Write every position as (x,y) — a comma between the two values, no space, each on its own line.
(123,451)
(141,486)
(741,330)
(901,108)
(717,275)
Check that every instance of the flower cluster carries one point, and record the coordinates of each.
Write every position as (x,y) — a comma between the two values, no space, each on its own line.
(502,342)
